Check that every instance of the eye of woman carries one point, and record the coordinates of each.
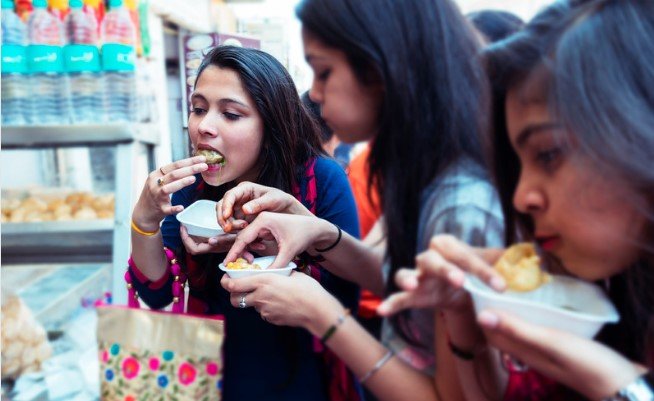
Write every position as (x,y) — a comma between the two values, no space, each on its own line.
(197,110)
(231,116)
(322,76)
(550,158)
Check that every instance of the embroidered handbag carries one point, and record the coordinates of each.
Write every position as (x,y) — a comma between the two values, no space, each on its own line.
(155,355)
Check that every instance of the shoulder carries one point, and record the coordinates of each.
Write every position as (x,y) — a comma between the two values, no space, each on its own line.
(464,185)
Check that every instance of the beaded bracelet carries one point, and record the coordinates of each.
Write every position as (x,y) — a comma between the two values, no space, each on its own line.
(332,329)
(143,232)
(179,280)
(387,357)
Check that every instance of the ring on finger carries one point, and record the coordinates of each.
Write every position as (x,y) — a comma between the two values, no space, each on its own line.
(160,181)
(161,171)
(242,303)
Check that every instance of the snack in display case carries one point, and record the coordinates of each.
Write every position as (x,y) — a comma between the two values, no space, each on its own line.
(37,207)
(196,45)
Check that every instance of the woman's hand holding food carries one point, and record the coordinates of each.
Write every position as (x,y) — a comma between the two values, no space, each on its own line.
(297,300)
(247,199)
(584,365)
(154,203)
(292,233)
(438,278)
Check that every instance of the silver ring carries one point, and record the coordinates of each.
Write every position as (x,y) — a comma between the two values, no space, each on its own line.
(242,303)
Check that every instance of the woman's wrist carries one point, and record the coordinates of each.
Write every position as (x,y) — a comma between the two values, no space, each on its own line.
(324,316)
(328,235)
(145,224)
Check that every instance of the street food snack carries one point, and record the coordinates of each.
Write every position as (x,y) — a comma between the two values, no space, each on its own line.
(520,267)
(213,157)
(242,264)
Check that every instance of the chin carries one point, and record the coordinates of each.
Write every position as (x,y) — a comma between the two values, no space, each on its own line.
(213,179)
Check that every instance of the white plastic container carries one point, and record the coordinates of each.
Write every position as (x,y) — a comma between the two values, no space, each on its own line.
(565,304)
(200,219)
(264,263)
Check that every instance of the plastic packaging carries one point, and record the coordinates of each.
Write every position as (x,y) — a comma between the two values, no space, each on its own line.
(50,84)
(83,65)
(118,63)
(15,84)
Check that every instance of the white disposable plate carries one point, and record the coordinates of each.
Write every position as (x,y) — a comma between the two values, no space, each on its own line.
(200,219)
(565,303)
(264,263)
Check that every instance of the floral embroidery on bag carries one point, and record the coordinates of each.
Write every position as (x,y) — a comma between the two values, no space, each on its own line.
(130,375)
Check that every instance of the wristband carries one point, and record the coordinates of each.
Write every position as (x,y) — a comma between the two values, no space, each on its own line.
(332,246)
(460,352)
(332,329)
(641,389)
(143,232)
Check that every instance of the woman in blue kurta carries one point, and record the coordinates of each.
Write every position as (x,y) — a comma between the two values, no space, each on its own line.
(245,110)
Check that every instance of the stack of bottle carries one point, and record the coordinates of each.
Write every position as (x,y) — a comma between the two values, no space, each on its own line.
(54,72)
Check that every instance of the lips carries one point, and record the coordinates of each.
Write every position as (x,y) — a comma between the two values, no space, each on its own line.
(548,242)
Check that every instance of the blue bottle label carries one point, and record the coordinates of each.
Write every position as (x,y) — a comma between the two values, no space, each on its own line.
(43,58)
(81,58)
(118,57)
(14,59)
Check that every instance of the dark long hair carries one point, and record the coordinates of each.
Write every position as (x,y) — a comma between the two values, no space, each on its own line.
(425,55)
(495,25)
(596,56)
(290,136)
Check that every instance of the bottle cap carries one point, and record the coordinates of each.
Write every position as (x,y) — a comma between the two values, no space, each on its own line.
(40,3)
(115,3)
(7,4)
(75,4)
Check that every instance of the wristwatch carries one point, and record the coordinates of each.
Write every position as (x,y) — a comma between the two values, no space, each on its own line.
(641,389)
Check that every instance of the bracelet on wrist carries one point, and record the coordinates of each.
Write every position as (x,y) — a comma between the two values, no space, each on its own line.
(641,389)
(142,231)
(332,329)
(381,362)
(461,353)
(332,246)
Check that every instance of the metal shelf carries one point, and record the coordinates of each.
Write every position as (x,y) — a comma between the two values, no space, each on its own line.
(77,135)
(50,242)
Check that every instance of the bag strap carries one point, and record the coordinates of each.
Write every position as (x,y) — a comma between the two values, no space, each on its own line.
(179,284)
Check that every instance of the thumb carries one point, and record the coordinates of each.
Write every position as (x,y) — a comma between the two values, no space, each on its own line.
(395,303)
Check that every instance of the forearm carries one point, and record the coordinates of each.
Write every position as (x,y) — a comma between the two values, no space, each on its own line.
(361,352)
(481,378)
(350,259)
(148,255)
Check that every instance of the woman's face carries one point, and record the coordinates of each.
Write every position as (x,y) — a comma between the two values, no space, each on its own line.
(224,118)
(349,108)
(580,215)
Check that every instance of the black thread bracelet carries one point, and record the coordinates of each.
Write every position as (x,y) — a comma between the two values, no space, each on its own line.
(461,353)
(332,246)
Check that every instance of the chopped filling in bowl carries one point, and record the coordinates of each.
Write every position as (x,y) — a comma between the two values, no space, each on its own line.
(242,264)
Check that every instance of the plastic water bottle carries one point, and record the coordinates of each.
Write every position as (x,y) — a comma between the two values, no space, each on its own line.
(118,63)
(50,85)
(15,85)
(82,60)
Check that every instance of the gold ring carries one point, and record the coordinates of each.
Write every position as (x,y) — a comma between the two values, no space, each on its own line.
(161,171)
(160,181)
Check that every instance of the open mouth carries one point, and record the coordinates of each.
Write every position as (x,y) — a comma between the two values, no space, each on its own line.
(212,156)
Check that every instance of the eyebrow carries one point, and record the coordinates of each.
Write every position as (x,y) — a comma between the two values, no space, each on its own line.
(311,57)
(195,95)
(534,129)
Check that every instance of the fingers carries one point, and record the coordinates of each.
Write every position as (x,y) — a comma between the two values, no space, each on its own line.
(243,239)
(243,191)
(395,303)
(407,279)
(465,258)
(431,263)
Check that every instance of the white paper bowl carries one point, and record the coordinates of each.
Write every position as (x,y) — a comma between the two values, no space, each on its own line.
(264,262)
(565,304)
(200,219)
